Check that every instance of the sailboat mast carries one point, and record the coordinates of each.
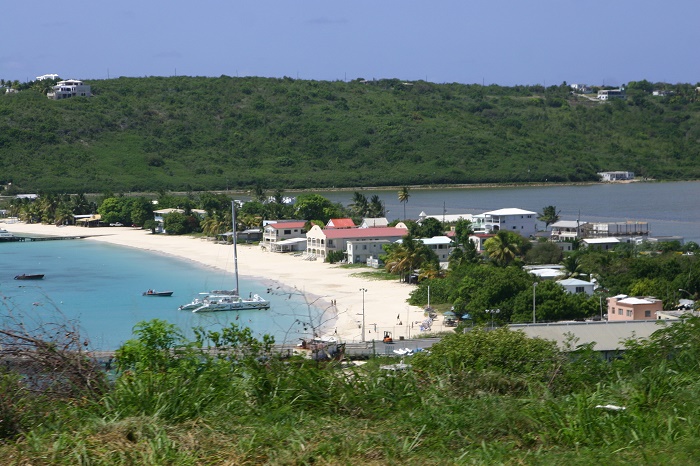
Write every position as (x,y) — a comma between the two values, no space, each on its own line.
(235,251)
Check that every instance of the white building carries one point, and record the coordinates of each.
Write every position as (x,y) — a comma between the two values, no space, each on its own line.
(574,285)
(280,231)
(522,222)
(69,88)
(616,176)
(609,94)
(566,230)
(47,76)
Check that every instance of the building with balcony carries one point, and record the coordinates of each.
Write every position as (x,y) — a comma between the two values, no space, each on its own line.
(69,88)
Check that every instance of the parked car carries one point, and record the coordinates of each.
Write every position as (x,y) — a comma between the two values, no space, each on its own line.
(116,224)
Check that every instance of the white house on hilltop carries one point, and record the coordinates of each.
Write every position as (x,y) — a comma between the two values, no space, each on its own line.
(69,88)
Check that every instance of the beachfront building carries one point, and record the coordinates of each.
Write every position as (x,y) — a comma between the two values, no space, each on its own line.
(615,229)
(283,230)
(616,176)
(623,307)
(159,215)
(69,88)
(365,251)
(522,222)
(566,230)
(321,241)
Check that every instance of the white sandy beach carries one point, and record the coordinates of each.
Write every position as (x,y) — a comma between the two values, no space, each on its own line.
(385,306)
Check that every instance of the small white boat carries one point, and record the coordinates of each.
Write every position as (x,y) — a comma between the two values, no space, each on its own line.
(227,300)
(6,235)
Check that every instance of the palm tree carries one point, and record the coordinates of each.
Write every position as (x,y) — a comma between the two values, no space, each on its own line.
(572,266)
(503,248)
(549,215)
(403,198)
(376,207)
(359,204)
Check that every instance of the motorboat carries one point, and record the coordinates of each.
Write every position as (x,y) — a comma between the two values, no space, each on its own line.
(227,300)
(7,236)
(157,293)
(35,276)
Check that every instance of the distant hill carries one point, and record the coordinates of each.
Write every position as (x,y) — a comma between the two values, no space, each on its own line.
(191,134)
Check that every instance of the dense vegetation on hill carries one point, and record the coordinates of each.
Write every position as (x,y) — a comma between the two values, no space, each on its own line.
(191,134)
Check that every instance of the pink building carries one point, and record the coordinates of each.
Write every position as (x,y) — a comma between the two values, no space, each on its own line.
(623,307)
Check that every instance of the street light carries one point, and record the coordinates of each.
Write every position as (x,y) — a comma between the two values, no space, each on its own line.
(364,290)
(492,312)
(534,305)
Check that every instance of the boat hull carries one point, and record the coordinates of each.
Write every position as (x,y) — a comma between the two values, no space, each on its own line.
(29,277)
(157,293)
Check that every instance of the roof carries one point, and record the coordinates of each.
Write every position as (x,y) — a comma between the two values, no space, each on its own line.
(340,223)
(634,301)
(447,218)
(290,241)
(375,222)
(601,240)
(567,224)
(546,273)
(286,225)
(437,240)
(607,336)
(512,211)
(574,282)
(350,233)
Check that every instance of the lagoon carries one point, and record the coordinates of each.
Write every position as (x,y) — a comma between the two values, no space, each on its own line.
(671,208)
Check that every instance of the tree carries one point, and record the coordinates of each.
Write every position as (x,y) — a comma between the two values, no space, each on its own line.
(315,207)
(359,205)
(544,253)
(504,247)
(431,227)
(549,215)
(408,255)
(403,198)
(376,207)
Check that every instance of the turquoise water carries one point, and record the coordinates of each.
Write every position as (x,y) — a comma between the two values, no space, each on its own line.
(100,287)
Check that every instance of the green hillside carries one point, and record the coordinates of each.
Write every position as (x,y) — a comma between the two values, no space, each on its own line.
(191,134)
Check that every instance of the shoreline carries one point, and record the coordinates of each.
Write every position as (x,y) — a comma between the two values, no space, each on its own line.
(384,303)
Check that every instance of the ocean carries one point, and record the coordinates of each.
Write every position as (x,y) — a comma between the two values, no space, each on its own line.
(99,287)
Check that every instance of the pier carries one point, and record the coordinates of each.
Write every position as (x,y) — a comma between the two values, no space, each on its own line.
(40,238)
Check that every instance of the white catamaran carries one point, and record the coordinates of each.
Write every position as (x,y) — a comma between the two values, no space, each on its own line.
(227,300)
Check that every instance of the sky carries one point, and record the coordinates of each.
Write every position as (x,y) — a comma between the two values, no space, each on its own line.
(504,42)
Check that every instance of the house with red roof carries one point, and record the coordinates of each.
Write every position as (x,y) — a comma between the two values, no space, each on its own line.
(321,241)
(341,223)
(282,230)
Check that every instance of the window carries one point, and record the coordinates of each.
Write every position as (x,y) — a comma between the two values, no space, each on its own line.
(629,313)
(619,312)
(579,289)
(287,232)
(364,246)
(647,313)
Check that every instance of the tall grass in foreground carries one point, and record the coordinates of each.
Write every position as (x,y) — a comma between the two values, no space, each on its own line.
(482,398)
